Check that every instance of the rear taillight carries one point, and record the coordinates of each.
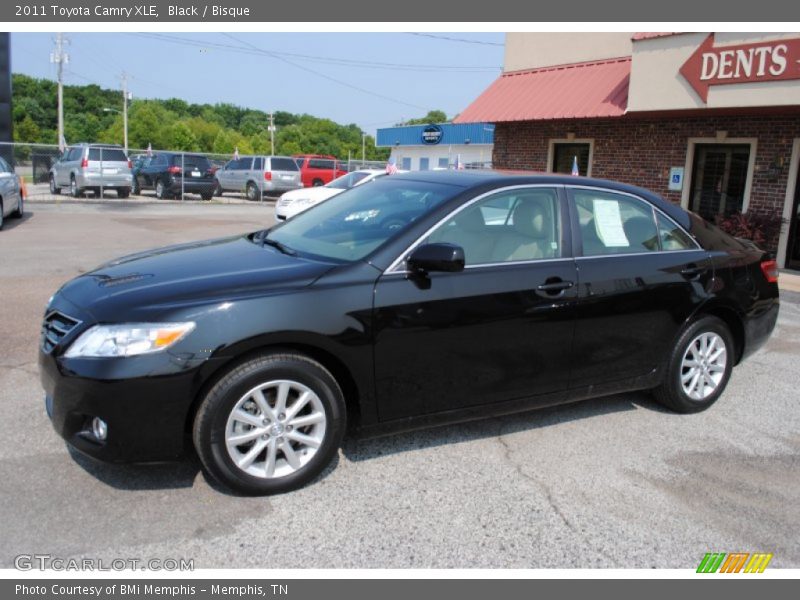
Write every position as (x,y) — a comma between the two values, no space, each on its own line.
(84,163)
(175,170)
(130,164)
(770,270)
(267,175)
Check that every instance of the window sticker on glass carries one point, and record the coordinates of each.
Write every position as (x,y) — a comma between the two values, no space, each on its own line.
(608,223)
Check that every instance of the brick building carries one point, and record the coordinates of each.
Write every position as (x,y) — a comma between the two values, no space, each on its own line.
(710,121)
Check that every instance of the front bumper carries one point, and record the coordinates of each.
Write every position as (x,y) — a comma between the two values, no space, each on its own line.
(144,400)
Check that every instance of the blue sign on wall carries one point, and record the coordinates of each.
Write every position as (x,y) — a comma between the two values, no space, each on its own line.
(432,134)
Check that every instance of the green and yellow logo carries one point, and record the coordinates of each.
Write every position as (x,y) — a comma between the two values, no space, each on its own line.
(735,562)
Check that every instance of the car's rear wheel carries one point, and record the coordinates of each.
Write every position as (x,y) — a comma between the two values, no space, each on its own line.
(17,214)
(317,182)
(271,424)
(218,191)
(699,366)
(252,191)
(161,190)
(123,192)
(2,219)
(74,190)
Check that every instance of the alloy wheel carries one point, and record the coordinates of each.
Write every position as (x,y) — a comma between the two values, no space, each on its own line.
(275,429)
(703,365)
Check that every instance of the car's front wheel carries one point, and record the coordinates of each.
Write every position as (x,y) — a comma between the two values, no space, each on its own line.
(271,424)
(699,366)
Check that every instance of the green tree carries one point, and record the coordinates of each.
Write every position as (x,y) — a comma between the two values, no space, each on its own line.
(27,131)
(180,137)
(433,116)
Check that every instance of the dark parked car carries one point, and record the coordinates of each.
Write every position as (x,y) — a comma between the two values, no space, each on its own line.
(172,174)
(482,294)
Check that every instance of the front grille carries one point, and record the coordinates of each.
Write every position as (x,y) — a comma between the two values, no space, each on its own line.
(56,325)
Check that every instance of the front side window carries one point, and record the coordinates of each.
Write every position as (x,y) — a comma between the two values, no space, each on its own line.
(615,224)
(352,224)
(510,226)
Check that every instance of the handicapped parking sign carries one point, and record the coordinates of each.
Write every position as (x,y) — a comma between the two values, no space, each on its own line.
(676,179)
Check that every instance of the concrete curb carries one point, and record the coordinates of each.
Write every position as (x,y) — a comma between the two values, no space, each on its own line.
(149,202)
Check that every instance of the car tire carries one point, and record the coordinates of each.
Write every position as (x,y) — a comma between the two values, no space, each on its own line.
(74,190)
(317,183)
(54,189)
(20,211)
(161,190)
(135,188)
(207,196)
(123,192)
(699,366)
(2,218)
(218,191)
(251,191)
(261,465)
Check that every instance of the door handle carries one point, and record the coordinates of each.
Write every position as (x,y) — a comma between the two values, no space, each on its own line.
(693,271)
(554,288)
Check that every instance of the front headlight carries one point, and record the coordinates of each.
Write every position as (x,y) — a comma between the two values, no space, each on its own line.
(129,339)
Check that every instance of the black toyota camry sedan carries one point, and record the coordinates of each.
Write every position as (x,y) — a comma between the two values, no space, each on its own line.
(415,300)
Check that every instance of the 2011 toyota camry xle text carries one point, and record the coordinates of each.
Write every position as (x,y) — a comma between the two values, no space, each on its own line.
(413,300)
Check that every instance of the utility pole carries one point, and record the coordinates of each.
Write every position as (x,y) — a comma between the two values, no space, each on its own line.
(60,58)
(125,109)
(272,132)
(363,147)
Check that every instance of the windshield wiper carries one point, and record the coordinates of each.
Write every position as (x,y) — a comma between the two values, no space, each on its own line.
(276,244)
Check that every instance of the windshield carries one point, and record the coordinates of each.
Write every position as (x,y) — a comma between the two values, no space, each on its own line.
(345,182)
(354,223)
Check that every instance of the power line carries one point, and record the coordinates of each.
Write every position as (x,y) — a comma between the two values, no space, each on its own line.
(328,77)
(347,62)
(455,39)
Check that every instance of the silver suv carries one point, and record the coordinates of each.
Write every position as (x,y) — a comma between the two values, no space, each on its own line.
(95,167)
(258,175)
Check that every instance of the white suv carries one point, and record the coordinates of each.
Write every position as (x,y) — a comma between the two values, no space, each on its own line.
(93,167)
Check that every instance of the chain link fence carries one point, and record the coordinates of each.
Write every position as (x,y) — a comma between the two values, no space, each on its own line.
(106,172)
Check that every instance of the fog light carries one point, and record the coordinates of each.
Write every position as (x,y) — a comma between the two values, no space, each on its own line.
(99,429)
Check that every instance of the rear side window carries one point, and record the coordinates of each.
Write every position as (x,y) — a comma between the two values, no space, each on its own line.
(615,224)
(283,164)
(671,236)
(258,163)
(107,154)
(319,163)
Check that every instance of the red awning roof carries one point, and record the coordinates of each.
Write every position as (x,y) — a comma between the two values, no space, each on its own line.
(580,90)
(646,35)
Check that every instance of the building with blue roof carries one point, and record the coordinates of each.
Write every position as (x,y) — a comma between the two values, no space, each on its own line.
(438,145)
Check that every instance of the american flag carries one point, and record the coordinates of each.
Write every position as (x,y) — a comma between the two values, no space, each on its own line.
(236,153)
(575,171)
(391,167)
(149,150)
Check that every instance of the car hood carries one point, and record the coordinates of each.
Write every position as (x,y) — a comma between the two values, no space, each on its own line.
(317,194)
(188,274)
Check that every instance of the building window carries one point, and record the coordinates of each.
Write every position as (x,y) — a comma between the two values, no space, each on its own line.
(719,179)
(444,162)
(424,164)
(563,154)
(405,163)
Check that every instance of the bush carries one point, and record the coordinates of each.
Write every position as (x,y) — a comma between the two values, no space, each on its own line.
(762,229)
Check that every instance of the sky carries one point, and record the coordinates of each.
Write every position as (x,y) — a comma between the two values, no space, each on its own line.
(347,77)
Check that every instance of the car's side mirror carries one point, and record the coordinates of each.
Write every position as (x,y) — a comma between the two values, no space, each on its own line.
(427,258)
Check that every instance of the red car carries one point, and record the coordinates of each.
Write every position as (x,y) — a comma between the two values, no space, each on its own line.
(318,169)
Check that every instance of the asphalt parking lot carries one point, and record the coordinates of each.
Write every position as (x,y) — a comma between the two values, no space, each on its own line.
(616,482)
